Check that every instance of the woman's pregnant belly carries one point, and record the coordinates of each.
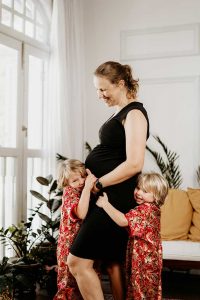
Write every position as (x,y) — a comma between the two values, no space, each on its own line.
(103,159)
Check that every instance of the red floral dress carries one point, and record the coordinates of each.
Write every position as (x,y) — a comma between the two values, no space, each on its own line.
(144,253)
(69,226)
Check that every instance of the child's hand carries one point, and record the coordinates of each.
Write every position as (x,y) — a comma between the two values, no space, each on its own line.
(102,200)
(90,180)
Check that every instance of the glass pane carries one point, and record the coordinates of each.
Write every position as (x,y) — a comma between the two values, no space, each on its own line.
(18,23)
(39,18)
(6,17)
(7,195)
(30,9)
(10,189)
(29,29)
(35,99)
(19,6)
(8,96)
(7,2)
(39,34)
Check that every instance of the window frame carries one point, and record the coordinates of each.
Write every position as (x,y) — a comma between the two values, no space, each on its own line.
(24,38)
(25,45)
(30,153)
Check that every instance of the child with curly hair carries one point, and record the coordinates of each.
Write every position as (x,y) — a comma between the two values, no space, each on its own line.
(144,250)
(77,183)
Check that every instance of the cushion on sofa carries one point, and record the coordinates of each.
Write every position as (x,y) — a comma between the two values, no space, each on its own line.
(181,250)
(194,197)
(176,216)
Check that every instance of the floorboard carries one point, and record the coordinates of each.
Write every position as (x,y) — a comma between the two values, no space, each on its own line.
(176,286)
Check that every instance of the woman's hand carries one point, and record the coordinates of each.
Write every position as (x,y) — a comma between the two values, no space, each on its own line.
(102,200)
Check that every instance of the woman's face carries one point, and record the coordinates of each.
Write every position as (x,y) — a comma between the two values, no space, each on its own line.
(107,91)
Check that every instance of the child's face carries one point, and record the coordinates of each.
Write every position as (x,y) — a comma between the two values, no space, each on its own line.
(142,196)
(76,180)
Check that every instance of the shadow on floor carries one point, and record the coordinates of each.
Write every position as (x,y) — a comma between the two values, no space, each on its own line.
(180,285)
(176,286)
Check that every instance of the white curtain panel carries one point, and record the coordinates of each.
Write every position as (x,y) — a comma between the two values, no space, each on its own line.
(64,108)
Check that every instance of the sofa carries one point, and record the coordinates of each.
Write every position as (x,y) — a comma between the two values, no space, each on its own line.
(180,229)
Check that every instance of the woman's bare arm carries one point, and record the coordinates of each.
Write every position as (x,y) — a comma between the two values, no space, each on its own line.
(135,130)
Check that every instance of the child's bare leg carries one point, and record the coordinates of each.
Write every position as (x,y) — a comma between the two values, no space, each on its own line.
(117,280)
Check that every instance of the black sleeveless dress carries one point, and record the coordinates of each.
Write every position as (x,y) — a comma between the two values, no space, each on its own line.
(99,237)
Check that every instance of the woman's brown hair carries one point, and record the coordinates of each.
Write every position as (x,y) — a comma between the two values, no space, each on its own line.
(114,72)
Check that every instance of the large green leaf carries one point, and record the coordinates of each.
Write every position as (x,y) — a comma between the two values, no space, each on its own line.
(88,147)
(60,157)
(44,217)
(198,174)
(56,223)
(53,186)
(54,204)
(168,166)
(38,196)
(45,180)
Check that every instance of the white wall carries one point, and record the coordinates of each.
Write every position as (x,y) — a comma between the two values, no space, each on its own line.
(169,73)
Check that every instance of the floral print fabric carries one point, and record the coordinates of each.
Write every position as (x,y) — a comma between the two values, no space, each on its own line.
(144,253)
(69,226)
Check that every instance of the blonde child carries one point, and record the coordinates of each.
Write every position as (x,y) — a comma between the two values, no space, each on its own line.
(144,250)
(77,184)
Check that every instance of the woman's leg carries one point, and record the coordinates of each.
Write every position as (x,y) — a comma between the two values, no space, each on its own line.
(117,280)
(86,277)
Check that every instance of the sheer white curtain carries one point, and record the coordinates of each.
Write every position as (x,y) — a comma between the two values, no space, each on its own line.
(64,107)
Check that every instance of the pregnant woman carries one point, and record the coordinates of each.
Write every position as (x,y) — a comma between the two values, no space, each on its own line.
(116,162)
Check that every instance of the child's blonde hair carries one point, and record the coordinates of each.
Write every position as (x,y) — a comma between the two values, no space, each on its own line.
(66,167)
(156,184)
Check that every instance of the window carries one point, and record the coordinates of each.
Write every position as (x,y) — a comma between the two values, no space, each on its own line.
(25,16)
(23,69)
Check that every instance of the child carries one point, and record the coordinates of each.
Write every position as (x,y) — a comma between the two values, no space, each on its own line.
(75,203)
(144,250)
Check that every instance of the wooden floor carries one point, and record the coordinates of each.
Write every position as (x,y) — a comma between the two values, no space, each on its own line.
(180,285)
(176,286)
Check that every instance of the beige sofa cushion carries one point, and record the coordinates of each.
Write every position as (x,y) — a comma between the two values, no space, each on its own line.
(194,197)
(176,216)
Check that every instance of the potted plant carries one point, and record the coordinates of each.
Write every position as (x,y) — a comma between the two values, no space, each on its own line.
(46,252)
(35,248)
(51,220)
(21,238)
(168,164)
(6,280)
